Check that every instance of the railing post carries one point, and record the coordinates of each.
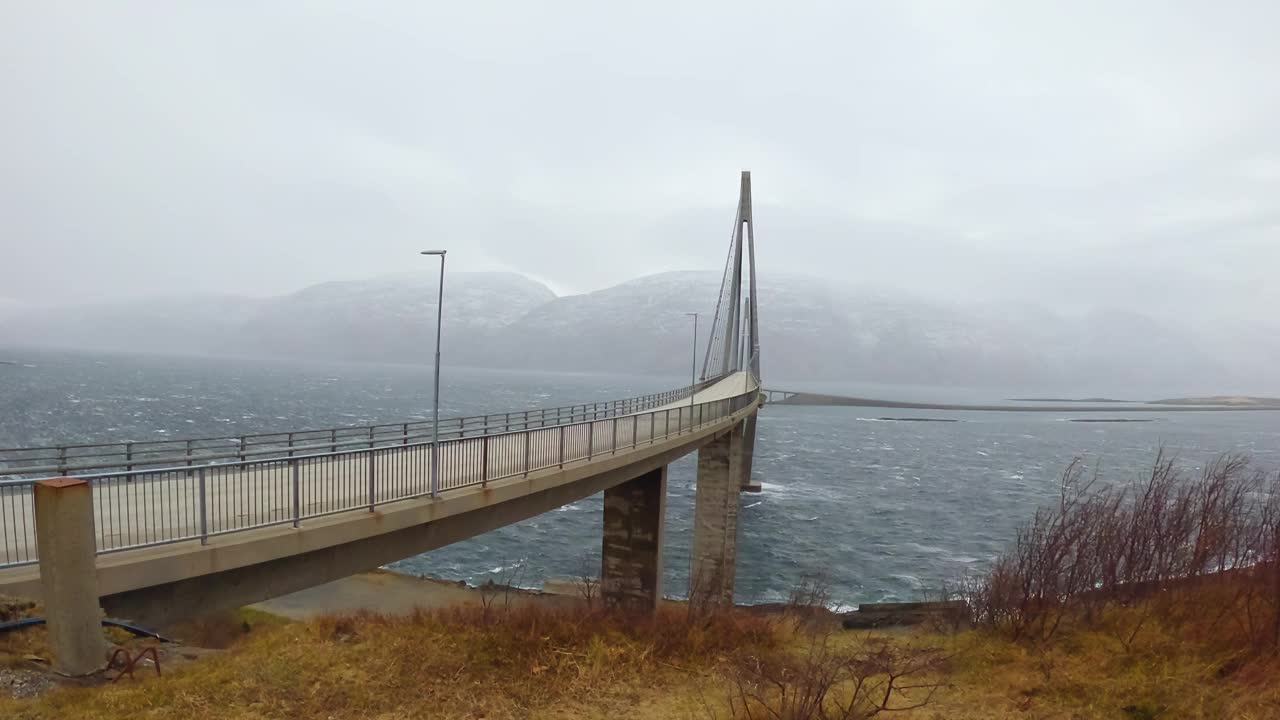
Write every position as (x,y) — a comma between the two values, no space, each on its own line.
(62,461)
(635,431)
(591,439)
(404,432)
(290,444)
(241,452)
(188,453)
(297,496)
(562,446)
(333,440)
(128,455)
(372,455)
(484,461)
(204,511)
(370,437)
(614,443)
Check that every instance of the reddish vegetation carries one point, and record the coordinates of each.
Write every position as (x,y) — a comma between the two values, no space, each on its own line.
(1197,553)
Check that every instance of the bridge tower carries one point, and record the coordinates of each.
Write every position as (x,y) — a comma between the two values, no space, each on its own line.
(724,465)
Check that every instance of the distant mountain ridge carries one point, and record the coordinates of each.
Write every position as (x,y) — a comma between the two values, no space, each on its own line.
(810,329)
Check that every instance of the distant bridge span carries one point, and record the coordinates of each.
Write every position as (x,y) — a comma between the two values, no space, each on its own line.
(792,397)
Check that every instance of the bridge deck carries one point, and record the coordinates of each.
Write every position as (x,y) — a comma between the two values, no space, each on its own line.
(168,505)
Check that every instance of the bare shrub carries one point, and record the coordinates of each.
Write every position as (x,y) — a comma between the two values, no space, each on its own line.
(809,603)
(498,595)
(1198,552)
(828,681)
(588,580)
(813,591)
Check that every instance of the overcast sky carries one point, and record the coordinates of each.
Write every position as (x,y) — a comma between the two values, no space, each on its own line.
(1121,154)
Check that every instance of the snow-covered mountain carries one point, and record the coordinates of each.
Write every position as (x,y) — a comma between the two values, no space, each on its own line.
(810,329)
(393,318)
(813,328)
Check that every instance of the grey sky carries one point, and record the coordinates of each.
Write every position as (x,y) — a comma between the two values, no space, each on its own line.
(1080,153)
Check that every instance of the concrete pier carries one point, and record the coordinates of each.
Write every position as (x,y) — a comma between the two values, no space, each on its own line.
(631,565)
(64,531)
(749,483)
(713,561)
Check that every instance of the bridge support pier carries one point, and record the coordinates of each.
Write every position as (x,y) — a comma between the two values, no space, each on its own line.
(748,454)
(68,575)
(722,468)
(631,563)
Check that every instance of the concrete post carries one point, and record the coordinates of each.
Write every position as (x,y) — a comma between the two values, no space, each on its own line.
(714,555)
(631,563)
(748,454)
(68,574)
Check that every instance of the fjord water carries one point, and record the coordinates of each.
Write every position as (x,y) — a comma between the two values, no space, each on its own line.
(884,509)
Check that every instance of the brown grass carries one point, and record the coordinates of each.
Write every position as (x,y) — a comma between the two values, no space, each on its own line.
(564,663)
(456,663)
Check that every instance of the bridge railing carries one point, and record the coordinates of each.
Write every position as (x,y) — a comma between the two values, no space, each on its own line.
(103,457)
(157,506)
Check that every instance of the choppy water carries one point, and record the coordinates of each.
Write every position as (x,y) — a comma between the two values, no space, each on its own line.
(884,509)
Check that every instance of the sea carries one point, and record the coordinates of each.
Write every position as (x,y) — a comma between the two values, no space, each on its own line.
(882,509)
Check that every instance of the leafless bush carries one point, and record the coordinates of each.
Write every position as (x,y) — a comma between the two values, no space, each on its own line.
(509,579)
(1195,550)
(588,580)
(813,591)
(830,682)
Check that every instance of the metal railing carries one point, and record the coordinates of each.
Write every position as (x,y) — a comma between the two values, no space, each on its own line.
(130,455)
(156,506)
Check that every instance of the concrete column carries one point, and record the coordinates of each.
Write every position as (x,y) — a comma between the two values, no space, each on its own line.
(68,574)
(631,567)
(714,555)
(748,454)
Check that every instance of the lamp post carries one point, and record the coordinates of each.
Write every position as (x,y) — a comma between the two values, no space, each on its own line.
(435,411)
(693,364)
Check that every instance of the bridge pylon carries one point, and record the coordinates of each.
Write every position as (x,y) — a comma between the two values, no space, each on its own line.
(724,465)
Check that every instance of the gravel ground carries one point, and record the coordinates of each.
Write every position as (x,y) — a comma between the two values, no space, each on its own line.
(20,683)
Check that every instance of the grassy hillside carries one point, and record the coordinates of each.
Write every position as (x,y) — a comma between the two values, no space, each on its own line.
(535,662)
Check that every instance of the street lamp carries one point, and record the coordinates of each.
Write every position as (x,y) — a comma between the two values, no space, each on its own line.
(693,364)
(435,412)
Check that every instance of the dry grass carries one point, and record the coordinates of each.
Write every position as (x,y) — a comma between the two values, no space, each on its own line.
(1092,674)
(457,663)
(534,662)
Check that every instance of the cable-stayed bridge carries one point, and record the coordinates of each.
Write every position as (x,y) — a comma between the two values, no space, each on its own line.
(163,530)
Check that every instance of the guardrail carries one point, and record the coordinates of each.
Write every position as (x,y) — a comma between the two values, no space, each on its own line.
(64,459)
(158,506)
